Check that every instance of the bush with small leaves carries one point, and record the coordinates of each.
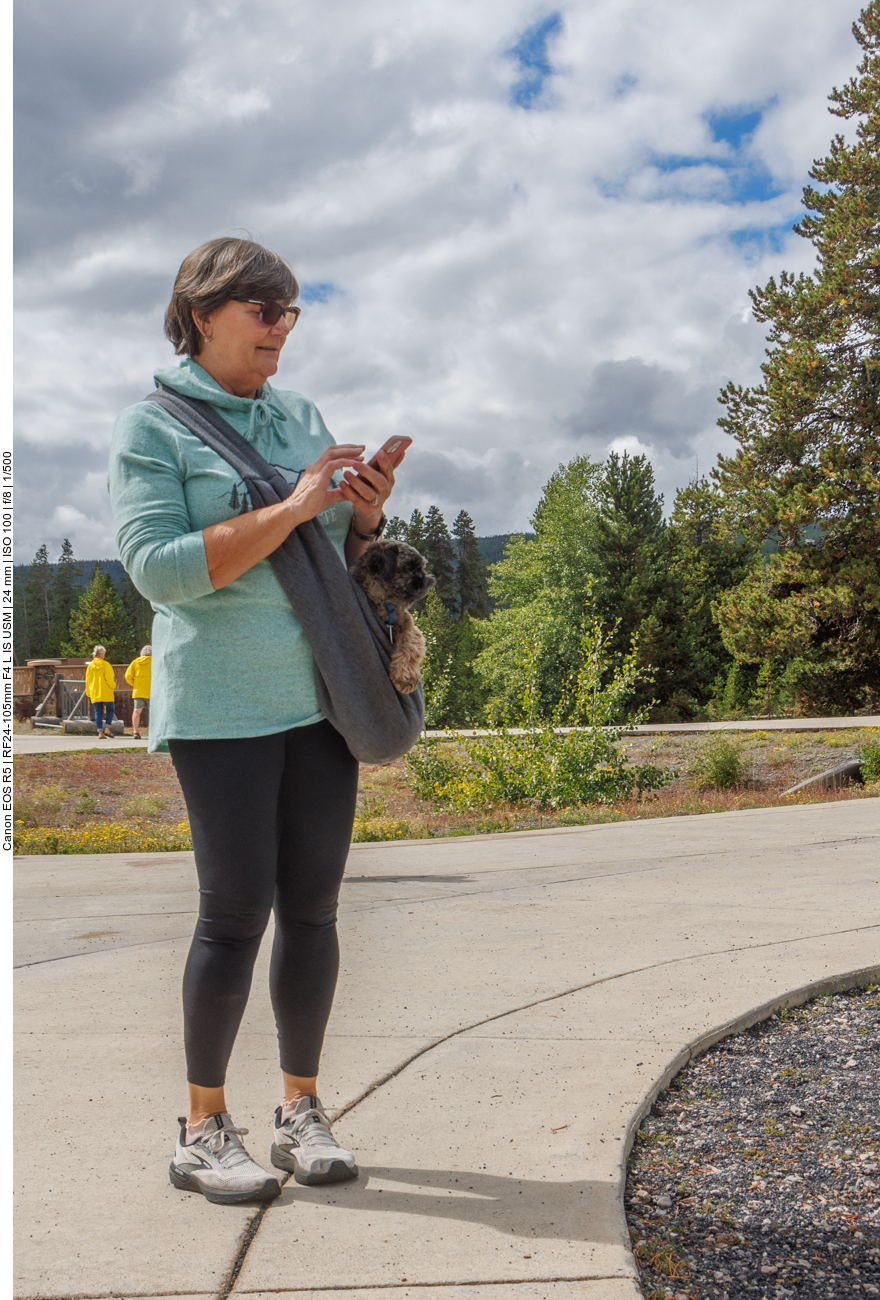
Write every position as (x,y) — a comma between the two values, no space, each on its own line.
(721,765)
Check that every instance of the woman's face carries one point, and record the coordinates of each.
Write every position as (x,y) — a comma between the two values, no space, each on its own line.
(243,352)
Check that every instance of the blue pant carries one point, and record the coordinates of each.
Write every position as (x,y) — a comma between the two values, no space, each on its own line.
(99,714)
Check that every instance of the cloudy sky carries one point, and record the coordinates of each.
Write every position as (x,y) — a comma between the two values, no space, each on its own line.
(523,231)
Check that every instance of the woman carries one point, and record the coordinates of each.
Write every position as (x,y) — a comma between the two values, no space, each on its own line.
(100,688)
(270,786)
(138,675)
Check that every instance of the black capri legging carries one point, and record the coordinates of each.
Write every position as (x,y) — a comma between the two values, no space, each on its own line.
(271,820)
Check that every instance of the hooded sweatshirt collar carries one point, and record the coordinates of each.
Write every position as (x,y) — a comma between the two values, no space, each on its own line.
(263,412)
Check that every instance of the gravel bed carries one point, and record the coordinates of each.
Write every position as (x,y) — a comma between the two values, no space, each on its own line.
(758,1170)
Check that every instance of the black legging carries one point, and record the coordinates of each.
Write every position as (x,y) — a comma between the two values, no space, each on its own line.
(271,820)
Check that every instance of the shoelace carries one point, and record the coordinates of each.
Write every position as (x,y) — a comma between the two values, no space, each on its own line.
(312,1127)
(236,1154)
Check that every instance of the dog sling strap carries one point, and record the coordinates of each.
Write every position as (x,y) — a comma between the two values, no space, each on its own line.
(349,642)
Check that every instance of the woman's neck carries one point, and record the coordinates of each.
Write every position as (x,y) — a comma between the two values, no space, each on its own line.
(228,384)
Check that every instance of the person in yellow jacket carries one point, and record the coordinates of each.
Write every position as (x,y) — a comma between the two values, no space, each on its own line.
(100,688)
(138,674)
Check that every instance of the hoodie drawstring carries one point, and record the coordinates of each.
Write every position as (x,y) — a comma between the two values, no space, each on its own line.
(263,413)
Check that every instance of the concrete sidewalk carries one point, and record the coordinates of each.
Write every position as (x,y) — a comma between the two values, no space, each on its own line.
(46,742)
(508,1005)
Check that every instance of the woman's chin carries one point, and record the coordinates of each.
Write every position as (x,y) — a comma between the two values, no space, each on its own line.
(266,365)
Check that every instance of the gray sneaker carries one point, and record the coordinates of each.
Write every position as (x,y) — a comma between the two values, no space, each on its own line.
(305,1147)
(218,1166)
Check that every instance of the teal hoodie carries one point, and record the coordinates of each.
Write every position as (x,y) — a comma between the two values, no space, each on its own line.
(226,663)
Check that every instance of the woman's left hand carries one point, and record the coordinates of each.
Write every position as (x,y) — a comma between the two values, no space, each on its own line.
(368,489)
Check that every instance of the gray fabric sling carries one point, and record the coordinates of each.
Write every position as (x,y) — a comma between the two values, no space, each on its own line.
(349,641)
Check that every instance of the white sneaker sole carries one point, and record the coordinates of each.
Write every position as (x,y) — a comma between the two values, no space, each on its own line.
(186,1183)
(337,1171)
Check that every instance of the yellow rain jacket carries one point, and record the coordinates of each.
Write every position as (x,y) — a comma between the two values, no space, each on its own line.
(138,674)
(100,681)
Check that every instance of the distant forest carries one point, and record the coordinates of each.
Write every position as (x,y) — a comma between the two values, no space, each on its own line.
(48,595)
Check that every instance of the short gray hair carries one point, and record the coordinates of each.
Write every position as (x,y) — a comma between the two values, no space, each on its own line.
(99,650)
(146,650)
(214,274)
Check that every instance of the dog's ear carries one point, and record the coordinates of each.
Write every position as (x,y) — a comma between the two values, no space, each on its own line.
(389,568)
(373,559)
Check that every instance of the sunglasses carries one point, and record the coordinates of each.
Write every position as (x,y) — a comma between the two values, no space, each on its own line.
(271,312)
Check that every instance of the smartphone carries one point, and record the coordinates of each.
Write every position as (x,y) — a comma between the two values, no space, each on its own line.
(394,449)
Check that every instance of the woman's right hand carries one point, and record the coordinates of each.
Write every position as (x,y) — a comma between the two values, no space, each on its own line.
(313,492)
(236,545)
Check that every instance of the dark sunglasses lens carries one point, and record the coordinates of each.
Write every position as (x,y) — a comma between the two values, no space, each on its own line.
(271,313)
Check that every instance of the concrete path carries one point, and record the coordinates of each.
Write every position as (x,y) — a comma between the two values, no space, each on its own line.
(53,742)
(507,1008)
(749,725)
(46,742)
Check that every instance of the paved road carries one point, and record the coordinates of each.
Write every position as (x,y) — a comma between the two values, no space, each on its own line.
(507,1008)
(44,742)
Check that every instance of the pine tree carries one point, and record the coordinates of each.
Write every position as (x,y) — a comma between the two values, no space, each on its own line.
(100,619)
(416,531)
(66,584)
(809,433)
(472,576)
(633,586)
(38,604)
(139,611)
(454,694)
(439,551)
(706,562)
(396,529)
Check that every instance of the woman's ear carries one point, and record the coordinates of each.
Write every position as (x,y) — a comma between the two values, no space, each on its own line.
(203,325)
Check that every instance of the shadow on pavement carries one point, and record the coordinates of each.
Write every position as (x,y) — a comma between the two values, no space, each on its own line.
(568,1211)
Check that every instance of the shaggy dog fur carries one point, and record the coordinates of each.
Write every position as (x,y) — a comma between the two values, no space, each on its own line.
(392,573)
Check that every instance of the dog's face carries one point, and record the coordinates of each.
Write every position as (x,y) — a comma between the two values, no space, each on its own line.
(390,570)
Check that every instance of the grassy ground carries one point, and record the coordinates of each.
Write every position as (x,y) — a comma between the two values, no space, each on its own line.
(122,799)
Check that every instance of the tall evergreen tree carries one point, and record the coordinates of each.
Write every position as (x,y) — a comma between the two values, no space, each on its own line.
(471,577)
(396,529)
(809,433)
(100,619)
(454,694)
(416,531)
(440,554)
(66,584)
(633,586)
(139,611)
(38,603)
(706,562)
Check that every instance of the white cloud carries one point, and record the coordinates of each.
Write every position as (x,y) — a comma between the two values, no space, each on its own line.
(493,267)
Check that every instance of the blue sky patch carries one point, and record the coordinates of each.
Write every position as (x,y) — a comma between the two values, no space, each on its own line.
(532,60)
(317,291)
(732,127)
(770,239)
(745,177)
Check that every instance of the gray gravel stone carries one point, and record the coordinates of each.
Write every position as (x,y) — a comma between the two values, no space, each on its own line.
(765,1152)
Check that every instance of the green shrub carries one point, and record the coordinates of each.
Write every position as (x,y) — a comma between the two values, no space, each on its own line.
(142,805)
(544,766)
(869,757)
(40,806)
(721,764)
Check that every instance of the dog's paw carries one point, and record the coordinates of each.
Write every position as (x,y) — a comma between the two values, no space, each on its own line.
(405,677)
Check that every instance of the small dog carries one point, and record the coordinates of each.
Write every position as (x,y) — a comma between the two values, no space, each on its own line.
(394,575)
